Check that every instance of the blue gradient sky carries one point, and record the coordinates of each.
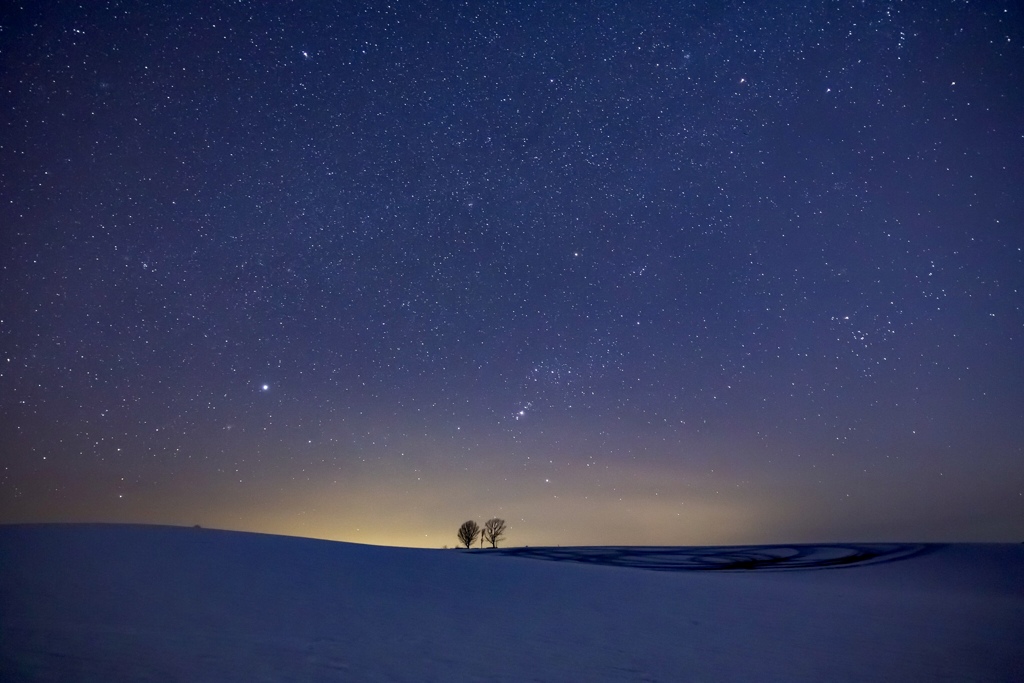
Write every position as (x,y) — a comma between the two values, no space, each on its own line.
(640,272)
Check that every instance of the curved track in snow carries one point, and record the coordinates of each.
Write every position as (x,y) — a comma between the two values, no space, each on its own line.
(729,558)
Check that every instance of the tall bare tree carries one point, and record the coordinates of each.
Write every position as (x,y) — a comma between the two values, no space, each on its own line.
(468,532)
(494,531)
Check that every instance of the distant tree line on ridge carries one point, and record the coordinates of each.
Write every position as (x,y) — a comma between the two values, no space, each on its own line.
(493,531)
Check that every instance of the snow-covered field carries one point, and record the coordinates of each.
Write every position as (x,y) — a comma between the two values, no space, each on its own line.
(137,603)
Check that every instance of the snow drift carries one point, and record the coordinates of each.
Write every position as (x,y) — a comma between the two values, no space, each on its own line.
(136,603)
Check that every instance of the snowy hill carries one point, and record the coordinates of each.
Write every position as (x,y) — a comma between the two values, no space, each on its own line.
(136,603)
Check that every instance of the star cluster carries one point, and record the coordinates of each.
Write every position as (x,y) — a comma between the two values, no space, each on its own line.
(628,272)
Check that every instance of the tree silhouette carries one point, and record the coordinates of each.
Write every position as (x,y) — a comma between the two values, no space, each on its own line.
(468,532)
(494,531)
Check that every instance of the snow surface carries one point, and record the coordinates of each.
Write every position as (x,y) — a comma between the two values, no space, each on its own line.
(143,603)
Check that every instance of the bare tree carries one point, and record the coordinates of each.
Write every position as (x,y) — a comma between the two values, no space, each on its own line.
(468,532)
(494,531)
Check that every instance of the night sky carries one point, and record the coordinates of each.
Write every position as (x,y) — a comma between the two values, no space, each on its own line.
(636,272)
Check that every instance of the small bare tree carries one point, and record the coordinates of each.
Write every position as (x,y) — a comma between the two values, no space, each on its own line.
(494,531)
(468,532)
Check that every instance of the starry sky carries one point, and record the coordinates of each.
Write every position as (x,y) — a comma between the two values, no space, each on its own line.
(643,272)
